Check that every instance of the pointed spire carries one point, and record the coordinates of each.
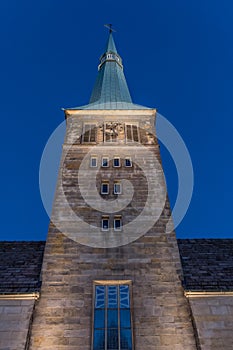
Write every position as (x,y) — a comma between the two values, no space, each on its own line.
(110,90)
(111,47)
(110,86)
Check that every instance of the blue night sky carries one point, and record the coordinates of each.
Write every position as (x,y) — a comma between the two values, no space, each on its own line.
(177,57)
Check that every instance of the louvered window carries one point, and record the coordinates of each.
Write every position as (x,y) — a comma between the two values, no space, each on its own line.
(132,133)
(89,133)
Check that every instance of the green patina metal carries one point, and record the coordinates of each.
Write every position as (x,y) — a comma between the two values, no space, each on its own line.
(110,90)
(110,47)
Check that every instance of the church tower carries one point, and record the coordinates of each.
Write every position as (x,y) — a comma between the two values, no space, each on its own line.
(111,276)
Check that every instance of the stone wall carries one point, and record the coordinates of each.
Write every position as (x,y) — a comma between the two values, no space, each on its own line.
(15,318)
(63,315)
(214,321)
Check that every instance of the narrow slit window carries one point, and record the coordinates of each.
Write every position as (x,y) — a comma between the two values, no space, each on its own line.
(105,162)
(117,187)
(116,162)
(117,223)
(112,328)
(128,162)
(105,223)
(93,162)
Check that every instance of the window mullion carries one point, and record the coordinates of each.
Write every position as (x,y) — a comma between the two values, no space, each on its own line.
(89,133)
(112,335)
(119,322)
(106,320)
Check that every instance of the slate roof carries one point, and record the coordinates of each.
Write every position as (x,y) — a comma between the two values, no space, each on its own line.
(207,265)
(20,266)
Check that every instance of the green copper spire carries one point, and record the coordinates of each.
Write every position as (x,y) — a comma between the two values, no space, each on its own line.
(110,90)
(110,47)
(110,85)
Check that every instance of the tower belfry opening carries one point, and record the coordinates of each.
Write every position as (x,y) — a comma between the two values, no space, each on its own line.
(111,276)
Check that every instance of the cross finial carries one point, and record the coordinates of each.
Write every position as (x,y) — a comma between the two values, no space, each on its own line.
(109,26)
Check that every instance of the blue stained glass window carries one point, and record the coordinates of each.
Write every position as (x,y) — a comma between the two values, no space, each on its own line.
(112,297)
(113,339)
(99,296)
(112,318)
(124,296)
(99,339)
(99,318)
(126,339)
(125,318)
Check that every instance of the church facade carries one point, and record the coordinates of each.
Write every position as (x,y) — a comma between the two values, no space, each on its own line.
(112,275)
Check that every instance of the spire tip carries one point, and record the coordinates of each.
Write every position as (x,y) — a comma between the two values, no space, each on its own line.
(109,26)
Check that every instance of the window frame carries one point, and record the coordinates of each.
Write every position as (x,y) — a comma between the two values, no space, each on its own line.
(102,222)
(116,166)
(105,166)
(132,126)
(119,184)
(89,127)
(96,159)
(128,166)
(117,283)
(102,184)
(114,226)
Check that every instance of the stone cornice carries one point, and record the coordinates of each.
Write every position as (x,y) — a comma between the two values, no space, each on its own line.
(120,112)
(19,296)
(206,294)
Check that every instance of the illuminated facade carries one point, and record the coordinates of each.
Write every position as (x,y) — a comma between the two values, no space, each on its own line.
(111,275)
(111,141)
